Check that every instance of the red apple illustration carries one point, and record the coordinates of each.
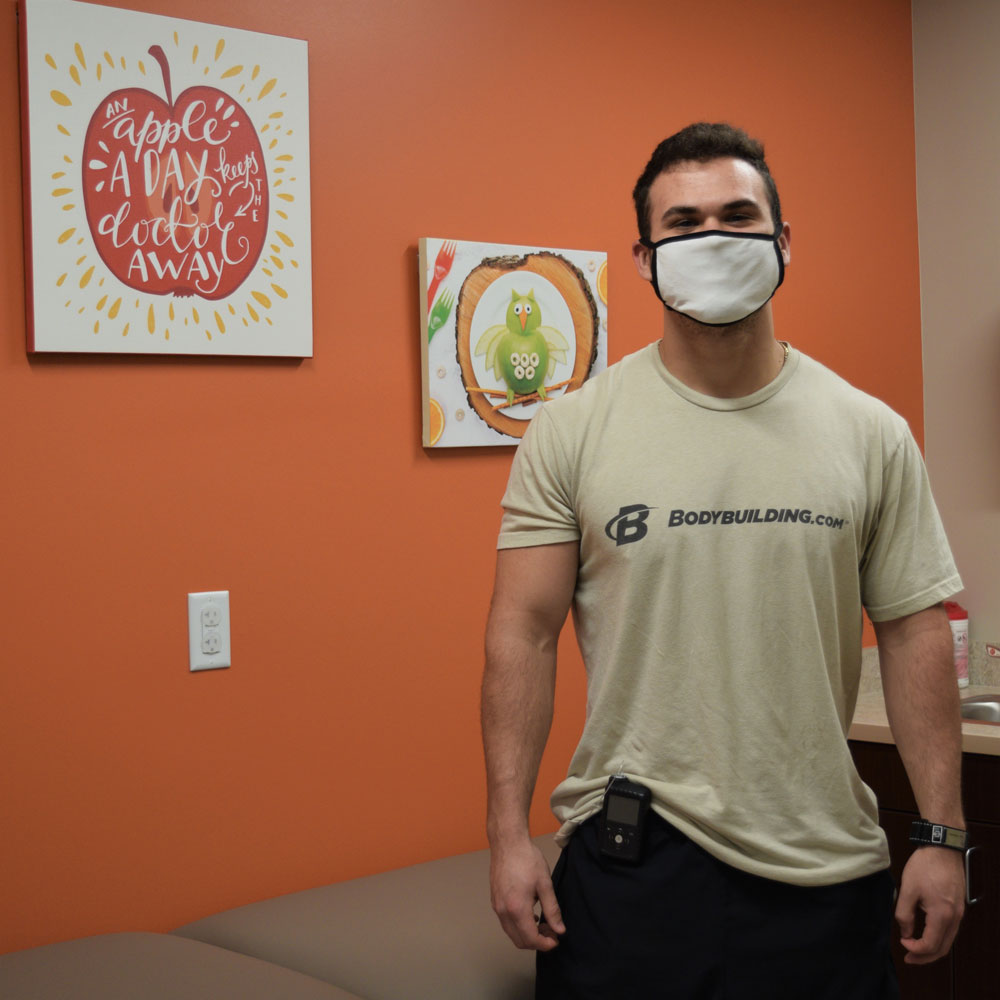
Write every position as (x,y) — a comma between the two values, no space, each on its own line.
(175,192)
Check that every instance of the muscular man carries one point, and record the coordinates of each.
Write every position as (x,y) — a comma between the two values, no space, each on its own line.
(718,509)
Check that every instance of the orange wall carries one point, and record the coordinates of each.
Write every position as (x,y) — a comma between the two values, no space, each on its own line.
(136,795)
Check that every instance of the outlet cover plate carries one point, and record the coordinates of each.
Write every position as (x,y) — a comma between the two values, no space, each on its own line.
(208,630)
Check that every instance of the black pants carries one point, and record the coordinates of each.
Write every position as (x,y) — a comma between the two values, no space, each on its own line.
(684,926)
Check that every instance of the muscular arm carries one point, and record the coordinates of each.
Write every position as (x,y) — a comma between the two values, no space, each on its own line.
(921,699)
(531,597)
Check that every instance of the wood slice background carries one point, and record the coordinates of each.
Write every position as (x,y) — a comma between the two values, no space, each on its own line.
(572,285)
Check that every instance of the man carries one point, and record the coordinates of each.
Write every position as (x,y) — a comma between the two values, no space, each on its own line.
(718,508)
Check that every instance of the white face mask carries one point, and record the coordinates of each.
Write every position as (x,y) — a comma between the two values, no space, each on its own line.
(716,277)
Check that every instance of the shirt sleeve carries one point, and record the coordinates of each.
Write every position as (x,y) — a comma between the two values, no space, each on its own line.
(537,505)
(907,564)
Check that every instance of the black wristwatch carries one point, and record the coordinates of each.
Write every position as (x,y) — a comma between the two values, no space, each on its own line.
(925,833)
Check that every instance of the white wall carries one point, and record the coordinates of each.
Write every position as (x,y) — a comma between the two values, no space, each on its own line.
(956,55)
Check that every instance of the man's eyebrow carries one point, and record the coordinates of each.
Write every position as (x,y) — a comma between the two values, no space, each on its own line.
(730,206)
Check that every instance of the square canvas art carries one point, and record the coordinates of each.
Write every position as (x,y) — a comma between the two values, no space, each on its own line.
(166,182)
(504,329)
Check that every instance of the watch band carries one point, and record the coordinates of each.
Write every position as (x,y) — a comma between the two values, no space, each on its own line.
(925,833)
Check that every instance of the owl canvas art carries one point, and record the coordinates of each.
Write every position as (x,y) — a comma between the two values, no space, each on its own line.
(504,330)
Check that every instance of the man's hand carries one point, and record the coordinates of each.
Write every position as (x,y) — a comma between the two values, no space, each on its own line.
(519,876)
(933,881)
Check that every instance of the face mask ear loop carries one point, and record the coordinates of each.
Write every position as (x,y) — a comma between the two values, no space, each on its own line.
(652,265)
(781,260)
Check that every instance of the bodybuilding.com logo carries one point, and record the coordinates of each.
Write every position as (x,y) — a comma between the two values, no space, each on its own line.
(629,524)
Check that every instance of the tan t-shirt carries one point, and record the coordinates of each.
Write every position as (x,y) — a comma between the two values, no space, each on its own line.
(727,547)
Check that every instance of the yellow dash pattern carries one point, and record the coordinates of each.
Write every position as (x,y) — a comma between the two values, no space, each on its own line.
(232,71)
(97,326)
(63,129)
(60,98)
(87,275)
(284,239)
(108,59)
(253,75)
(142,67)
(194,312)
(58,174)
(277,263)
(232,309)
(262,299)
(51,61)
(194,54)
(66,235)
(219,323)
(75,74)
(151,319)
(80,55)
(100,69)
(100,304)
(276,114)
(284,215)
(285,158)
(115,306)
(59,192)
(287,197)
(125,331)
(219,46)
(279,290)
(253,313)
(266,89)
(208,334)
(60,280)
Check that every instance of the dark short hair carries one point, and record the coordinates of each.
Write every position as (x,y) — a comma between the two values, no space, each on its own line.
(702,141)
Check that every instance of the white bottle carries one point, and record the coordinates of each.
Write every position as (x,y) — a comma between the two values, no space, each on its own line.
(958,618)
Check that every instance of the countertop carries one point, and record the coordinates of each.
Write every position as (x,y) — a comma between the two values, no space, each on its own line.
(871,725)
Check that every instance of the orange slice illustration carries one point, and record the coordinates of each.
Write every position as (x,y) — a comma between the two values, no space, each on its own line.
(436,421)
(602,282)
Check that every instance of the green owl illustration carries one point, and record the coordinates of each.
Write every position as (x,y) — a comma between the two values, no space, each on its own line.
(522,352)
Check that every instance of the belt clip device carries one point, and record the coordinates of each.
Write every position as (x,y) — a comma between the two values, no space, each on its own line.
(623,819)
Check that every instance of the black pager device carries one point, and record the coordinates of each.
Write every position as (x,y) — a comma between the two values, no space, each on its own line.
(623,819)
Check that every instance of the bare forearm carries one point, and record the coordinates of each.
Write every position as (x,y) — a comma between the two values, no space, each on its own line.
(517,699)
(921,696)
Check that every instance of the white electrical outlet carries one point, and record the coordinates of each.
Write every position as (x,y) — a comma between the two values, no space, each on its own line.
(208,630)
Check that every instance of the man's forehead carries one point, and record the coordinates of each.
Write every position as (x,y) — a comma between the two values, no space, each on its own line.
(724,179)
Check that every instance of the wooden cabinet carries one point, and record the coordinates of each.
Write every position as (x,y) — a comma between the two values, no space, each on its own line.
(970,972)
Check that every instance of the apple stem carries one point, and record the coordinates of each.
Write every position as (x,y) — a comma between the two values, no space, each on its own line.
(158,54)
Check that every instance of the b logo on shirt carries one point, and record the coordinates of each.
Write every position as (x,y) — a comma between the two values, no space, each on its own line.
(629,524)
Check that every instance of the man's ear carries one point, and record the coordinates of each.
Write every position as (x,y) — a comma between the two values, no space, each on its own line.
(785,243)
(641,257)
